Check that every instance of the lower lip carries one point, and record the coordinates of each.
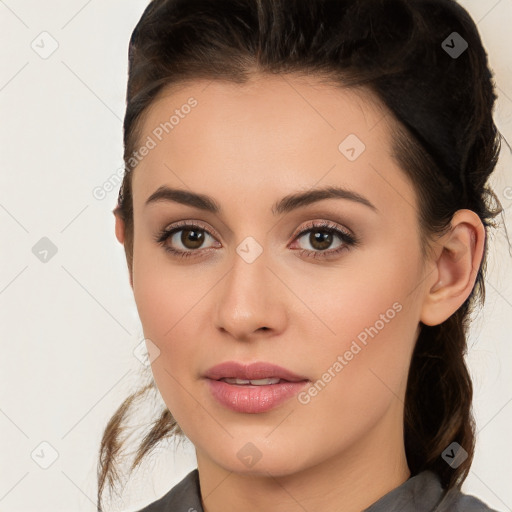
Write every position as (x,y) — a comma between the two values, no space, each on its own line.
(253,399)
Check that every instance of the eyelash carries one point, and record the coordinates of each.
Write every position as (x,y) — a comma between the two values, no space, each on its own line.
(324,226)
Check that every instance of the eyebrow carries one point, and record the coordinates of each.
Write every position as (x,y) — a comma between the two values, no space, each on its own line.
(284,205)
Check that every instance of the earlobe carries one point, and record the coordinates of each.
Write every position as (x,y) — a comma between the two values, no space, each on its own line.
(120,235)
(119,227)
(456,268)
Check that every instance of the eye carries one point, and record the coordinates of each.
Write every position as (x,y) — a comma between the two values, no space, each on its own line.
(190,236)
(321,237)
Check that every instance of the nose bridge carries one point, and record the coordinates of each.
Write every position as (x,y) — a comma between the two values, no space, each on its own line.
(247,298)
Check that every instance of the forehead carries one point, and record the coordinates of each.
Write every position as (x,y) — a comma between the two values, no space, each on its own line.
(268,100)
(272,131)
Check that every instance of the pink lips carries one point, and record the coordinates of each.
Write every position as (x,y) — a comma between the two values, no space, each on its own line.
(247,398)
(253,371)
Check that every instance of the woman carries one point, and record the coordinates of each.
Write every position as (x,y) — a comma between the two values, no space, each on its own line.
(305,201)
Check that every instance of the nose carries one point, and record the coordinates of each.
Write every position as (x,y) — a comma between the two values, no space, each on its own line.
(250,300)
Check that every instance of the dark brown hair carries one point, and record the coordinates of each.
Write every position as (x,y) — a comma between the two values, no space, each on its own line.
(445,140)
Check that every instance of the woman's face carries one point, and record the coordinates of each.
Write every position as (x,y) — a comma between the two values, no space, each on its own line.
(263,283)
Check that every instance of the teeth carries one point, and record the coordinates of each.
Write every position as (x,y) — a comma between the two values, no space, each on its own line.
(258,382)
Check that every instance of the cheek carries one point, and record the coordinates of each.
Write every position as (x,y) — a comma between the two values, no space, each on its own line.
(369,320)
(367,288)
(170,301)
(170,314)
(361,371)
(164,294)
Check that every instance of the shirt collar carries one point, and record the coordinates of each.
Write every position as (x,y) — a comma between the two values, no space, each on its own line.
(420,493)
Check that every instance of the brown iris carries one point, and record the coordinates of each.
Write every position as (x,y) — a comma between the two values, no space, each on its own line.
(193,236)
(323,238)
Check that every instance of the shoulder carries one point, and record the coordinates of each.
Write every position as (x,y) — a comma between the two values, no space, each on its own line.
(423,493)
(428,493)
(183,497)
(456,501)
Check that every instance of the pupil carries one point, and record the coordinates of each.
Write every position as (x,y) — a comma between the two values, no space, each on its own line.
(192,239)
(320,239)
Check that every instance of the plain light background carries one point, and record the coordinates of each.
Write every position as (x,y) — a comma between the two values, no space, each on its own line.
(70,325)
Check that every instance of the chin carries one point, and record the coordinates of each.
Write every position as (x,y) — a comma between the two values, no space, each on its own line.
(251,459)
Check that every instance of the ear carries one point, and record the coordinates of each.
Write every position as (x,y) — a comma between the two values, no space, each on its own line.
(120,231)
(454,273)
(119,226)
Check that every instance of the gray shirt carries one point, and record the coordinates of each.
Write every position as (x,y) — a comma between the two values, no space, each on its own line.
(420,493)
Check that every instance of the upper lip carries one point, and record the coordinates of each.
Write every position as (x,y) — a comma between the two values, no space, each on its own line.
(253,371)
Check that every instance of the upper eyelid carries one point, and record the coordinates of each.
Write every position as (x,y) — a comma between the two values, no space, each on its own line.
(184,224)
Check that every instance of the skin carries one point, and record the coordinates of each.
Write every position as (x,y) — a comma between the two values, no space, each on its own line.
(247,147)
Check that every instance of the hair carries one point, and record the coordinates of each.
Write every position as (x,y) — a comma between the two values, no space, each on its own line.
(444,139)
